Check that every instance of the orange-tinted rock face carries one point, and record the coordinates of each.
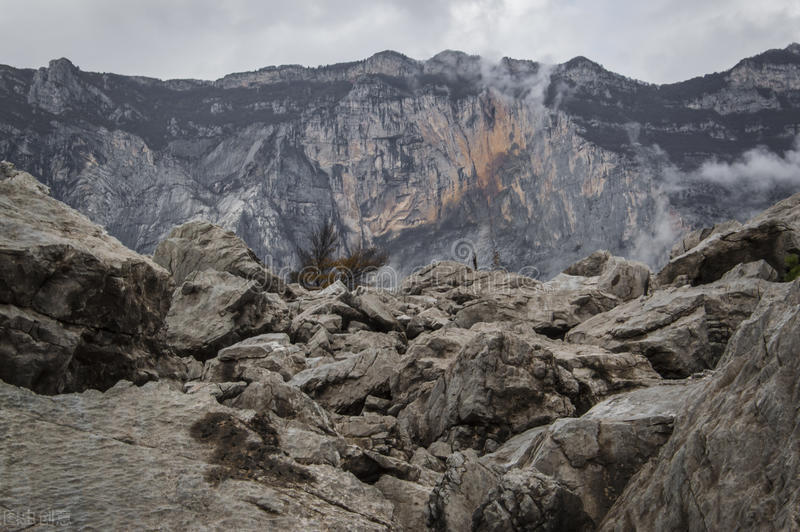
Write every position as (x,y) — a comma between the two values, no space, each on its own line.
(540,164)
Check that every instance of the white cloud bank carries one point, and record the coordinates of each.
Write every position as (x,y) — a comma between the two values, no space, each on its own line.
(749,179)
(758,169)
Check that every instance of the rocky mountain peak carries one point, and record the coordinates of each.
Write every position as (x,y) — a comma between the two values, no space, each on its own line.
(391,63)
(62,67)
(59,88)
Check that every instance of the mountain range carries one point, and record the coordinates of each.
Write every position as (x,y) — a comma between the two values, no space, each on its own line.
(520,163)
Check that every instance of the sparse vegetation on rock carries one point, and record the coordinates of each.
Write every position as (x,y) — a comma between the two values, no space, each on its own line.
(320,266)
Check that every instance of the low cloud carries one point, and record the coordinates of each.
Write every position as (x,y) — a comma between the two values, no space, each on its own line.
(652,245)
(749,180)
(518,79)
(757,169)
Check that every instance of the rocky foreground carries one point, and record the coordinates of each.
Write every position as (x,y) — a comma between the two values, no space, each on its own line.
(195,390)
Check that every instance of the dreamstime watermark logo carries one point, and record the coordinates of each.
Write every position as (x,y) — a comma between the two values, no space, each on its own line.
(28,517)
(464,251)
(273,280)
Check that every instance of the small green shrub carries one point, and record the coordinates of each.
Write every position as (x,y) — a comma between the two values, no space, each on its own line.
(792,262)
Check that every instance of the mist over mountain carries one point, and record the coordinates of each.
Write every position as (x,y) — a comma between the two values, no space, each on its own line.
(538,164)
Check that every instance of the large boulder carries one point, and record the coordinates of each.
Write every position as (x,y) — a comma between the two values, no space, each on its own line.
(681,330)
(530,500)
(693,238)
(330,312)
(595,456)
(410,501)
(591,373)
(199,245)
(212,310)
(464,485)
(477,387)
(732,461)
(271,394)
(243,361)
(155,458)
(438,278)
(622,278)
(344,385)
(500,384)
(426,359)
(770,236)
(78,310)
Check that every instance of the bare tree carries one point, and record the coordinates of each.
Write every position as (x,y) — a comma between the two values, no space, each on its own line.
(319,265)
(317,257)
(321,245)
(353,268)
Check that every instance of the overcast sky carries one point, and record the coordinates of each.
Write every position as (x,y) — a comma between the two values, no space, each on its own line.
(653,40)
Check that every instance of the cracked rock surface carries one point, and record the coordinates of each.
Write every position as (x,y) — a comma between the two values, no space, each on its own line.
(599,400)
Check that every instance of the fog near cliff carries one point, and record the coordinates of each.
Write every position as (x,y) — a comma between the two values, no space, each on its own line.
(528,85)
(757,170)
(750,178)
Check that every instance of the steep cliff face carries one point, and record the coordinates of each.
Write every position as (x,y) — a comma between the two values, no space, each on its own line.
(542,164)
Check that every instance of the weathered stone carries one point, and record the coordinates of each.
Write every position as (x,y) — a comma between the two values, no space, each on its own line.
(368,466)
(752,270)
(344,385)
(528,500)
(358,341)
(732,461)
(422,458)
(270,352)
(106,461)
(465,484)
(376,404)
(212,310)
(551,308)
(617,276)
(770,236)
(595,455)
(410,501)
(221,391)
(377,312)
(77,309)
(273,395)
(320,343)
(199,245)
(598,373)
(681,330)
(437,278)
(500,384)
(332,313)
(430,319)
(425,360)
(255,347)
(373,432)
(440,449)
(693,238)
